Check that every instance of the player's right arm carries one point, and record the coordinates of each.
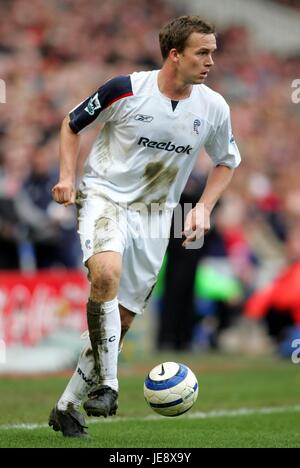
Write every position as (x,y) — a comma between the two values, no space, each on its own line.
(101,106)
(64,190)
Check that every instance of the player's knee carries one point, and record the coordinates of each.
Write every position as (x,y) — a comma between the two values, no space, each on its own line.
(105,283)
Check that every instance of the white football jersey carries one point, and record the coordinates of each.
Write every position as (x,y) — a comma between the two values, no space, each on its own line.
(149,143)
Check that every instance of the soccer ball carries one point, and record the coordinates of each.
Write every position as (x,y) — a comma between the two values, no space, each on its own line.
(171,389)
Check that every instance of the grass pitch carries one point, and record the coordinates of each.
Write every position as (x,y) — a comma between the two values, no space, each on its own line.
(242,402)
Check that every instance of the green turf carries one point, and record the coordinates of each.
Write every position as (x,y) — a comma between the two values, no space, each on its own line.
(225,383)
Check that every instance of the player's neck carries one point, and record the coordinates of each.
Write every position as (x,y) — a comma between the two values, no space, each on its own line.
(171,85)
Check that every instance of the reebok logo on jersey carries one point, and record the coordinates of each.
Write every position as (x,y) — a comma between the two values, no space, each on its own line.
(93,105)
(143,118)
(162,145)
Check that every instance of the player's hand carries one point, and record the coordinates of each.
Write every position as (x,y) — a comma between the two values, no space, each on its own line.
(196,225)
(64,193)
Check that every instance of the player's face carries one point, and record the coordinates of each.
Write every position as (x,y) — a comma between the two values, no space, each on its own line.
(195,61)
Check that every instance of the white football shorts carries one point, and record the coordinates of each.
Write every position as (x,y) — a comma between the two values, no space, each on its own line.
(139,236)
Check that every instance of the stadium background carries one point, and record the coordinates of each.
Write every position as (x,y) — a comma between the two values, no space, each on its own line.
(52,55)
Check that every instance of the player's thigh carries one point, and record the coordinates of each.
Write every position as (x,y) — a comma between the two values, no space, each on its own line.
(100,227)
(139,275)
(142,258)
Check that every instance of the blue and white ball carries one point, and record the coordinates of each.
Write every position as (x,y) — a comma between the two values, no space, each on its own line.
(171,389)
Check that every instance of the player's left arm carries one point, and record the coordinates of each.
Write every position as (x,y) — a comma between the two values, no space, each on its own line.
(222,149)
(197,222)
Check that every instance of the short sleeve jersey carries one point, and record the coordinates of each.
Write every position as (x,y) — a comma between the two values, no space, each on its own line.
(147,148)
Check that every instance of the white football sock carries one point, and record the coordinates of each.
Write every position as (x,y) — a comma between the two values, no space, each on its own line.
(109,349)
(82,381)
(84,378)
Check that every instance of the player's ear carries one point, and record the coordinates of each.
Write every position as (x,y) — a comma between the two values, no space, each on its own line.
(174,55)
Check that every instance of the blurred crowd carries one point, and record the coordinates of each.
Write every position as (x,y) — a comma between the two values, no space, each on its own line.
(289,3)
(54,54)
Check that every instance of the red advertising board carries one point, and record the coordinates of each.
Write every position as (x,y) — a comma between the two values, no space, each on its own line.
(33,306)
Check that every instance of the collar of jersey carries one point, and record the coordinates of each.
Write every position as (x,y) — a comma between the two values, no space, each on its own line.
(166,98)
